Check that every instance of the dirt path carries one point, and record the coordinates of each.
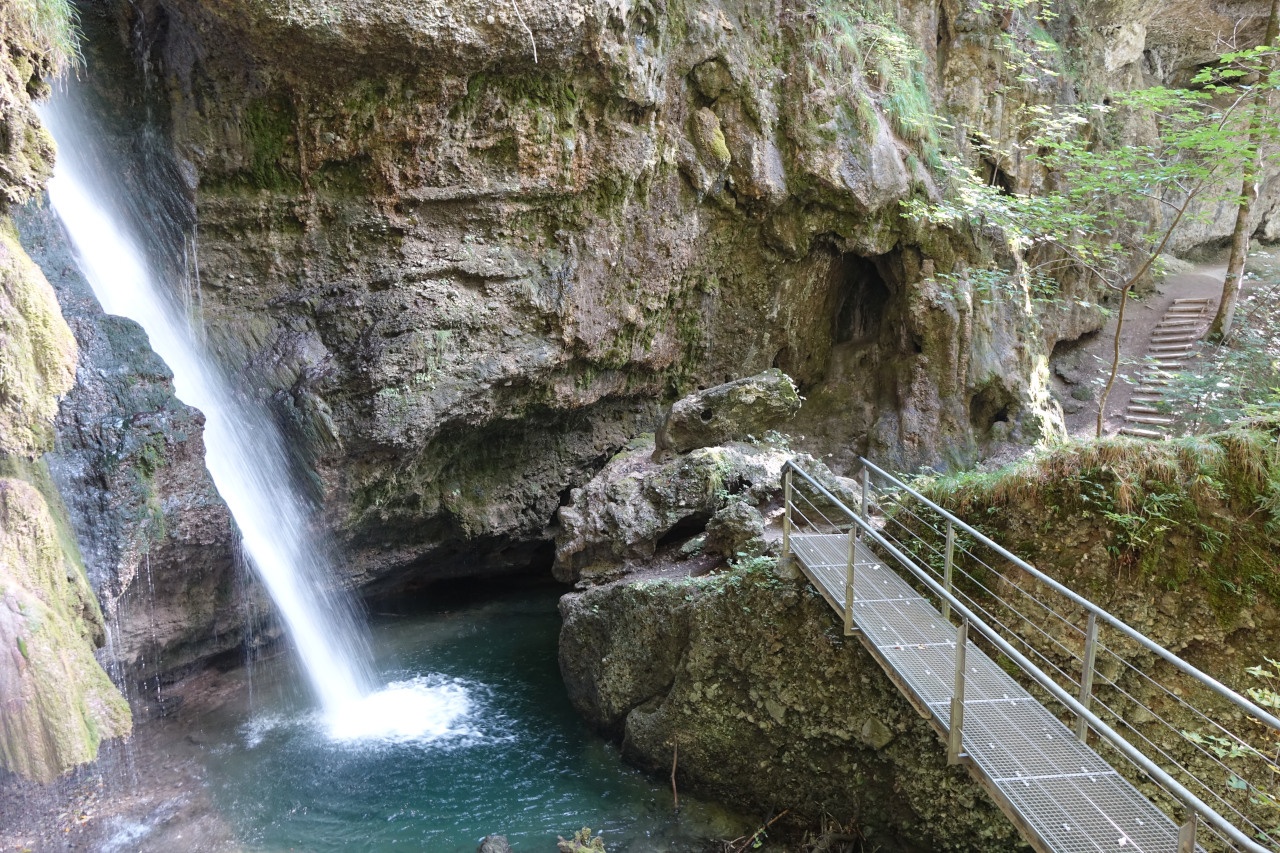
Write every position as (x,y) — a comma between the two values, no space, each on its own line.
(1142,316)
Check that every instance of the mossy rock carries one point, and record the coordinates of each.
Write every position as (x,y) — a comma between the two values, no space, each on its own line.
(37,351)
(59,705)
(734,411)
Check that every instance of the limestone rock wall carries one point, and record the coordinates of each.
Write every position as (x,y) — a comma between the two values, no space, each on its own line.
(132,572)
(56,702)
(38,356)
(748,674)
(59,705)
(466,255)
(464,278)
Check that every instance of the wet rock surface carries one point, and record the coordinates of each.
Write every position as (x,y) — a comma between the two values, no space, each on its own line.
(494,844)
(111,805)
(156,537)
(59,704)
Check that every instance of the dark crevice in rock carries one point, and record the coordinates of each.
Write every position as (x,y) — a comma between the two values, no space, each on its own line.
(414,596)
(861,297)
(995,175)
(990,406)
(685,528)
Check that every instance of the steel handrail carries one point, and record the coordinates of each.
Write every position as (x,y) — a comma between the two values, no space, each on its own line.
(1114,621)
(1139,759)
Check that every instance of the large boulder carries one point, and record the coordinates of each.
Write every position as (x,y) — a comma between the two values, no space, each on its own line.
(634,503)
(736,528)
(729,412)
(494,844)
(770,706)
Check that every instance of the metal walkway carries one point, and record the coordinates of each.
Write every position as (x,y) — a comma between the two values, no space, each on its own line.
(1061,791)
(1061,794)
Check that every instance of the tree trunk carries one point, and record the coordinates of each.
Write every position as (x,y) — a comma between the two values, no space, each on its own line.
(1115,357)
(1221,325)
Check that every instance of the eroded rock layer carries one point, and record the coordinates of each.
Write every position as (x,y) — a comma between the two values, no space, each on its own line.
(464,277)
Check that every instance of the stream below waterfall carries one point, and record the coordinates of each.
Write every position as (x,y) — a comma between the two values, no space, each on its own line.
(250,764)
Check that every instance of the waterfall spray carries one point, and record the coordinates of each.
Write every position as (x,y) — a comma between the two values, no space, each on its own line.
(244,452)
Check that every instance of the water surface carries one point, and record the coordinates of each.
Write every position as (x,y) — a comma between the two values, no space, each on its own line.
(515,760)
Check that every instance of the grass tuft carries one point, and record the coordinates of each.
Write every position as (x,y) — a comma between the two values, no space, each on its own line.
(1203,508)
(863,41)
(47,28)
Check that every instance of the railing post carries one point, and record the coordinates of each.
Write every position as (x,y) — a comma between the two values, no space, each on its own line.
(946,571)
(786,514)
(1187,833)
(1086,674)
(955,735)
(848,585)
(866,493)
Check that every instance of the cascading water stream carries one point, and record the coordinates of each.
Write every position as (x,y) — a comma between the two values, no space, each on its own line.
(244,454)
(243,451)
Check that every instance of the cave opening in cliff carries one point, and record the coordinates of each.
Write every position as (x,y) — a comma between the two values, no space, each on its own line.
(989,406)
(995,175)
(861,297)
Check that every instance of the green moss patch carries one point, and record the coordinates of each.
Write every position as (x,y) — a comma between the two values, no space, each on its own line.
(37,351)
(59,703)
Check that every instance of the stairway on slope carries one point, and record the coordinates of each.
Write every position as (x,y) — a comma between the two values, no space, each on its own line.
(1171,347)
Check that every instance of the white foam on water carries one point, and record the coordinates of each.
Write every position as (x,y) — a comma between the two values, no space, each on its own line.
(126,833)
(419,710)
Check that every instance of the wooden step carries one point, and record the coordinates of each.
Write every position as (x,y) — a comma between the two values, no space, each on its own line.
(1168,364)
(1171,347)
(1148,419)
(1141,433)
(1190,300)
(1137,409)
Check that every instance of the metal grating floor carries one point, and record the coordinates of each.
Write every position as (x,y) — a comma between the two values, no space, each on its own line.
(1065,793)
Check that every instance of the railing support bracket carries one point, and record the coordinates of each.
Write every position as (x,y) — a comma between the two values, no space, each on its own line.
(955,734)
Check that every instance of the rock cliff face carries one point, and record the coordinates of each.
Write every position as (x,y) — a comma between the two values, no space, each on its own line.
(463,248)
(466,252)
(129,461)
(57,703)
(463,278)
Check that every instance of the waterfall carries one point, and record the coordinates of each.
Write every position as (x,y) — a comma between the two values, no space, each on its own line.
(244,452)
